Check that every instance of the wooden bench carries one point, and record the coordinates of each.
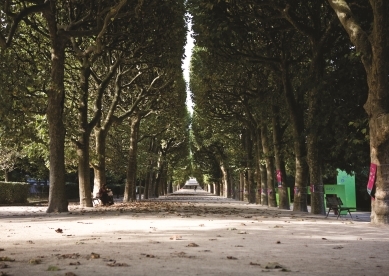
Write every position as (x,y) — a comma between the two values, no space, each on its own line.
(336,204)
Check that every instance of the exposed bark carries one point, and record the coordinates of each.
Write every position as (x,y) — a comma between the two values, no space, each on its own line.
(99,169)
(170,186)
(56,97)
(130,187)
(147,182)
(82,145)
(264,194)
(211,188)
(6,175)
(241,186)
(225,180)
(279,161)
(258,154)
(374,49)
(297,120)
(217,188)
(269,166)
(160,188)
(249,187)
(313,156)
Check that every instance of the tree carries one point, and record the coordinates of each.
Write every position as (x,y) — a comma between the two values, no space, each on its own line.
(60,23)
(370,37)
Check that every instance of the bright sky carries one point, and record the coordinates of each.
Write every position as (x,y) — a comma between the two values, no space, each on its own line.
(186,65)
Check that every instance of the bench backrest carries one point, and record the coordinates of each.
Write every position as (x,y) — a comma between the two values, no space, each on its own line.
(332,202)
(339,201)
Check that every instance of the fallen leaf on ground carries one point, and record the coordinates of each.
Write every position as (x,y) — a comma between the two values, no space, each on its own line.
(338,247)
(251,263)
(324,239)
(148,255)
(6,259)
(116,264)
(231,258)
(76,263)
(35,261)
(242,232)
(94,255)
(59,230)
(273,266)
(52,268)
(68,256)
(176,237)
(192,244)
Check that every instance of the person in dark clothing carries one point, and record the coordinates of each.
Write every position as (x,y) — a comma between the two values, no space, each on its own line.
(106,195)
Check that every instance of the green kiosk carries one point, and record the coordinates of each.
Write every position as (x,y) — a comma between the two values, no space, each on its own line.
(345,189)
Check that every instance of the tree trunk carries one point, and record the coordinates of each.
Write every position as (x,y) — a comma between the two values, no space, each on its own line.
(258,154)
(297,119)
(264,194)
(147,183)
(269,166)
(56,97)
(225,178)
(84,171)
(170,187)
(6,175)
(250,168)
(99,168)
(82,144)
(313,156)
(211,188)
(217,188)
(283,194)
(374,49)
(130,187)
(241,186)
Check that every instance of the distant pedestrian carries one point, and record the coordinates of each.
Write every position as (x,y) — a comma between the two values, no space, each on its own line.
(195,188)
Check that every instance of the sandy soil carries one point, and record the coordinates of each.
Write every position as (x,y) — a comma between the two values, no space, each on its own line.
(172,236)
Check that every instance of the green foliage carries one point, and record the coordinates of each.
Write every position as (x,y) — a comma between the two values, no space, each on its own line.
(13,192)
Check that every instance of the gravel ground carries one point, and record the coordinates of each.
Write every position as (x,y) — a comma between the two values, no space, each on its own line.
(188,234)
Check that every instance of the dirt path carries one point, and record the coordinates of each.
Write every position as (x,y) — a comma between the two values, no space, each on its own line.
(208,236)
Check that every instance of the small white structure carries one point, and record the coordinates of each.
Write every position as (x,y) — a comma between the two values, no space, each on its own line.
(191,184)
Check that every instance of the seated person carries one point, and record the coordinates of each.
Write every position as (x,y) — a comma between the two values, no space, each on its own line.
(106,195)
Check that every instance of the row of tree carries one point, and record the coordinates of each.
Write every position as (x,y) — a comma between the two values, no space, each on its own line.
(280,86)
(81,76)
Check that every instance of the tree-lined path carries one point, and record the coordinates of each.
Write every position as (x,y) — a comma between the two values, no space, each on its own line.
(187,237)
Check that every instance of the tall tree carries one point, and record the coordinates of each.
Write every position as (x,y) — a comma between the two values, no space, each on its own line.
(369,34)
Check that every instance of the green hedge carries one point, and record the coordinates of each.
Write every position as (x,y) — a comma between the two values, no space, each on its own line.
(14,192)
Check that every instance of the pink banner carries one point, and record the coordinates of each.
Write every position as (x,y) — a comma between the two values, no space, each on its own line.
(371,181)
(279,176)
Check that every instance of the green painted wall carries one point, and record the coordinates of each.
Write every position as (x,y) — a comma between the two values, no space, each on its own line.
(349,184)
